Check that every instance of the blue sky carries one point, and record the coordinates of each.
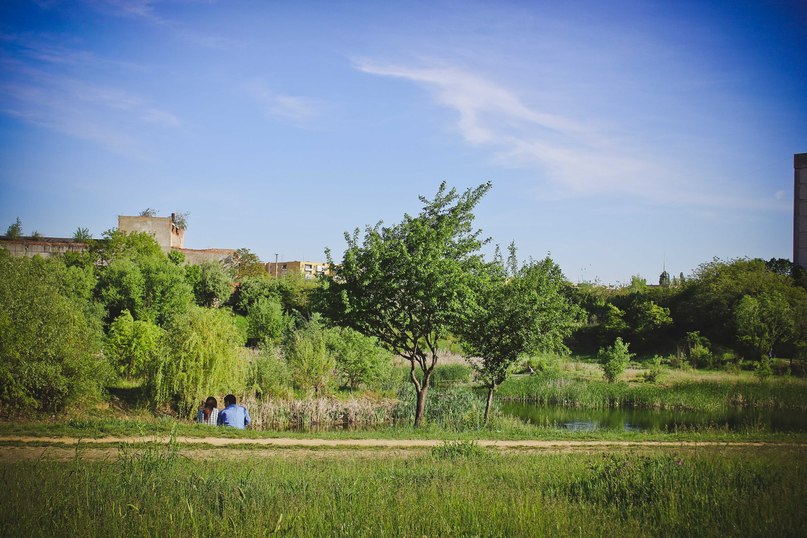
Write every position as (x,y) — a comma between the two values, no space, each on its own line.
(619,136)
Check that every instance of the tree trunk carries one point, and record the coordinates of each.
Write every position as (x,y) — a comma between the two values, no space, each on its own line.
(491,389)
(421,405)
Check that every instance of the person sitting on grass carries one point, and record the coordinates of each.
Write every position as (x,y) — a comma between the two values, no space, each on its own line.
(208,412)
(233,415)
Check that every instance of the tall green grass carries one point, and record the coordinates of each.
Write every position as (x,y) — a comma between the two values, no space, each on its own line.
(456,491)
(690,395)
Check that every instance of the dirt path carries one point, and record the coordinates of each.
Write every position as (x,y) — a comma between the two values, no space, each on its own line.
(23,448)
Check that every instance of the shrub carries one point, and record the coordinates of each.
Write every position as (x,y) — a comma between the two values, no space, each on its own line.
(312,365)
(451,450)
(614,360)
(359,359)
(49,339)
(653,373)
(269,374)
(266,321)
(135,348)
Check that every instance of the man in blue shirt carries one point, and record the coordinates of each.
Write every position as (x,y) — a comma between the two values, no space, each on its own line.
(233,415)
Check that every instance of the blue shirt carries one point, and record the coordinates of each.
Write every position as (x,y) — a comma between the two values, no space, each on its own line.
(235,416)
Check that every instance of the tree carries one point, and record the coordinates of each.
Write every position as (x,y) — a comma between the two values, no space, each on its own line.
(764,321)
(408,284)
(614,359)
(204,349)
(266,321)
(49,336)
(359,359)
(246,264)
(14,231)
(211,283)
(148,212)
(181,219)
(312,365)
(518,310)
(135,348)
(82,235)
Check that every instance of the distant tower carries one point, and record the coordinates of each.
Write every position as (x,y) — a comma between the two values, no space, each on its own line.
(664,279)
(800,210)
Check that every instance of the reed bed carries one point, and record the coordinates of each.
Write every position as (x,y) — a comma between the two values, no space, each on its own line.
(321,412)
(689,395)
(461,490)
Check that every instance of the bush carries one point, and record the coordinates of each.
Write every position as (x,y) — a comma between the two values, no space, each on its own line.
(451,450)
(135,348)
(312,365)
(614,360)
(49,338)
(653,373)
(266,321)
(360,361)
(269,374)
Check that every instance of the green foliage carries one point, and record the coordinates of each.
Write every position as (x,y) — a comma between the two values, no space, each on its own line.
(764,368)
(203,357)
(266,321)
(653,374)
(269,374)
(139,278)
(408,284)
(463,449)
(49,336)
(82,235)
(614,360)
(764,320)
(518,310)
(246,264)
(211,283)
(135,348)
(36,236)
(454,408)
(360,361)
(14,231)
(451,374)
(148,212)
(312,365)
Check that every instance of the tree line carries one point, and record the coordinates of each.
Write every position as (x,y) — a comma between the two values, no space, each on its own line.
(124,310)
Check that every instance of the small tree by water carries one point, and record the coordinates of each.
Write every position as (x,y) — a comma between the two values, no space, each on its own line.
(614,359)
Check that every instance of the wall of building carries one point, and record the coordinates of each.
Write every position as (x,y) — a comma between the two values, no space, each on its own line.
(800,210)
(309,270)
(45,247)
(163,229)
(197,257)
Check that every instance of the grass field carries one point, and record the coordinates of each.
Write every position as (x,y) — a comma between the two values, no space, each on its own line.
(457,489)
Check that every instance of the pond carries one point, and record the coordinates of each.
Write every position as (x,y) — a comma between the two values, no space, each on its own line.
(633,419)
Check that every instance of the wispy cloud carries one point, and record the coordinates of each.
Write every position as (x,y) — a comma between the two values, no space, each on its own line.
(146,10)
(576,156)
(80,109)
(279,106)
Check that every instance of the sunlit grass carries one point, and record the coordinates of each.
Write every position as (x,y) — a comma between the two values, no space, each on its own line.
(461,490)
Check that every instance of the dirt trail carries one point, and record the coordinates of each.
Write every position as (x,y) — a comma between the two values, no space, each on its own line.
(25,448)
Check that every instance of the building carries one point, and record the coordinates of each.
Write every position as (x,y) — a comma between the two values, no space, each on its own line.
(800,209)
(42,246)
(164,229)
(171,237)
(309,270)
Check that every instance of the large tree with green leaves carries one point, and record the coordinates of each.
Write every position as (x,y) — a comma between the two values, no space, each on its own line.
(518,310)
(409,284)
